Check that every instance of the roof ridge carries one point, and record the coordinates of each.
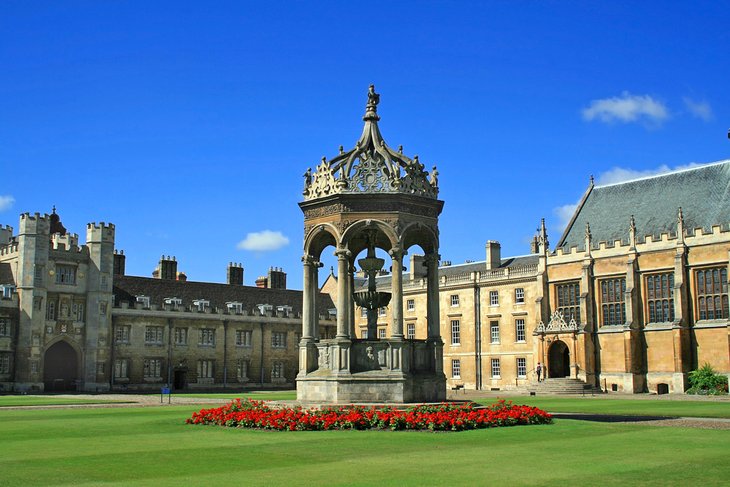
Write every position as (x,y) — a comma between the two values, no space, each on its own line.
(668,173)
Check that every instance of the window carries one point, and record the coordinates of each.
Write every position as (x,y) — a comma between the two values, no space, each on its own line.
(38,275)
(278,339)
(520,295)
(263,308)
(121,333)
(65,274)
(520,330)
(121,368)
(7,291)
(205,369)
(207,337)
(102,308)
(77,309)
(455,332)
(456,369)
(277,370)
(493,298)
(242,370)
(660,297)
(201,304)
(5,363)
(612,301)
(494,331)
(712,295)
(143,301)
(521,367)
(181,336)
(243,338)
(152,368)
(381,332)
(454,300)
(174,303)
(51,310)
(496,369)
(363,312)
(411,331)
(235,307)
(4,327)
(569,301)
(286,310)
(411,305)
(153,335)
(381,311)
(364,334)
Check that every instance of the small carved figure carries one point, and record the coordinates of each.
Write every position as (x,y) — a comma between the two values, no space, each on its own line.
(308,178)
(373,98)
(370,354)
(434,179)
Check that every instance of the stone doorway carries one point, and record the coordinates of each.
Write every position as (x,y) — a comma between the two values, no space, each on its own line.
(60,368)
(180,379)
(558,360)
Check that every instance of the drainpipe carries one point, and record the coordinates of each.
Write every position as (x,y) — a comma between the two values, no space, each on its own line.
(225,353)
(169,352)
(478,335)
(113,356)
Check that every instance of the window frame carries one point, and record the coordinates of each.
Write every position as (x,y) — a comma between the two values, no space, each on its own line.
(456,368)
(519,295)
(520,329)
(455,332)
(705,290)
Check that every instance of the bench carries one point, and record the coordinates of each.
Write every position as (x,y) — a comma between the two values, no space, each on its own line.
(457,387)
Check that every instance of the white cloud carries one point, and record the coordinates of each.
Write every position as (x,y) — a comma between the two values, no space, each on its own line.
(699,109)
(6,202)
(263,241)
(620,174)
(564,214)
(626,108)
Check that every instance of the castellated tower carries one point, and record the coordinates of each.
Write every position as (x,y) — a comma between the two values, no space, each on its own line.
(33,249)
(96,364)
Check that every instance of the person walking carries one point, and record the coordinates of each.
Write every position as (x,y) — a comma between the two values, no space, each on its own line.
(538,369)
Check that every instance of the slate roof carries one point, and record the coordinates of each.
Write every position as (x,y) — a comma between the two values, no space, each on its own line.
(127,288)
(702,192)
(6,274)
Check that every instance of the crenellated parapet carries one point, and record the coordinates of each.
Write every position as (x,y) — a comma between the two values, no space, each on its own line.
(35,224)
(370,167)
(101,232)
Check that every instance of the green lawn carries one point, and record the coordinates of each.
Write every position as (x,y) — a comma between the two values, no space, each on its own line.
(7,401)
(638,407)
(153,446)
(259,395)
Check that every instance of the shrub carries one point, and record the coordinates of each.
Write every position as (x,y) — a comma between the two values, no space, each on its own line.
(705,381)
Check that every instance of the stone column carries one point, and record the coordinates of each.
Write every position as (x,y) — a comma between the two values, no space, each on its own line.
(307,304)
(397,288)
(351,308)
(343,297)
(432,295)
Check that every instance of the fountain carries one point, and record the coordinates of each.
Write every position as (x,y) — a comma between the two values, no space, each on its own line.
(372,300)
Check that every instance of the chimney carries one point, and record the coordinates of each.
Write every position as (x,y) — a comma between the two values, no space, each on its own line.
(262,282)
(494,254)
(167,268)
(534,245)
(182,277)
(418,270)
(277,278)
(234,274)
(120,263)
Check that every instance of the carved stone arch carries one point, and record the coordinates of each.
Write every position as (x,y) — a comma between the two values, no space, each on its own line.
(417,233)
(62,364)
(354,237)
(320,237)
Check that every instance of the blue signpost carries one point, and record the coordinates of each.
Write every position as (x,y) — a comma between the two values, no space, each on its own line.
(165,390)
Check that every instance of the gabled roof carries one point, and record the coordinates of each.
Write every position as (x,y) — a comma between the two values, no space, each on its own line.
(702,192)
(127,288)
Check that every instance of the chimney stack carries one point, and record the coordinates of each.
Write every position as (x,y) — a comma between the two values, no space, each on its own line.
(167,268)
(277,278)
(494,254)
(234,274)
(120,263)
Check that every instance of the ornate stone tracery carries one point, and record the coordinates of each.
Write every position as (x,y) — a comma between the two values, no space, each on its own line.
(557,324)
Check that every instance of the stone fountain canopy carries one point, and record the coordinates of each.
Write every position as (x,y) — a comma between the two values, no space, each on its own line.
(370,197)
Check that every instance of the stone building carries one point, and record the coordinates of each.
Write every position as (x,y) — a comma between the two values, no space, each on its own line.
(70,319)
(633,296)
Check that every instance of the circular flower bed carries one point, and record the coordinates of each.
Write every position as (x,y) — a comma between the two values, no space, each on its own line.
(440,417)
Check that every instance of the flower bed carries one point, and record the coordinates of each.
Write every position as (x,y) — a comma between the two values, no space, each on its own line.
(440,417)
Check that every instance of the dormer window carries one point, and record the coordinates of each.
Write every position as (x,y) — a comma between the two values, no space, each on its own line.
(332,311)
(284,309)
(263,308)
(173,302)
(6,291)
(144,301)
(235,307)
(201,304)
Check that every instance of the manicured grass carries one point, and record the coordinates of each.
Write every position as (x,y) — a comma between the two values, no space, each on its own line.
(637,407)
(153,446)
(259,395)
(7,401)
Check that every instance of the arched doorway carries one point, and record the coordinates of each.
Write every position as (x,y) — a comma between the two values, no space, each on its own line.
(60,367)
(558,360)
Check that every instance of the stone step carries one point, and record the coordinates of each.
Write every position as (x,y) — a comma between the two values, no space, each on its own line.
(563,385)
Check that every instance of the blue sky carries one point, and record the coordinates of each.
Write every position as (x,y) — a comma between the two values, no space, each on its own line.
(189,125)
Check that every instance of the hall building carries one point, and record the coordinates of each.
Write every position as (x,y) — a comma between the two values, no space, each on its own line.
(633,296)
